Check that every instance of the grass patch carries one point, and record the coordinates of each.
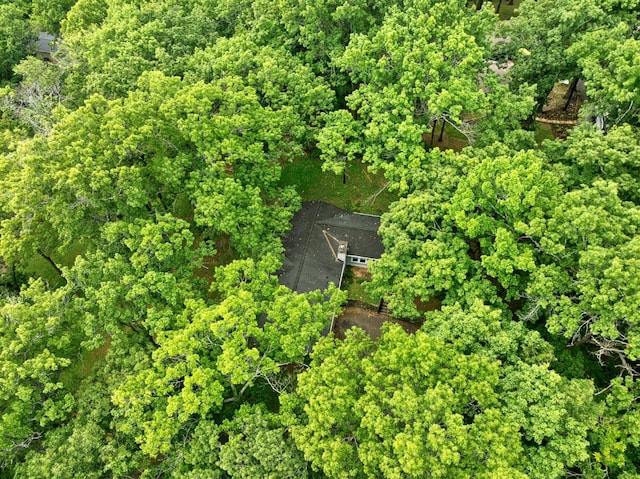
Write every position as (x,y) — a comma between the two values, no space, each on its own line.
(353,284)
(452,139)
(453,133)
(38,267)
(83,367)
(182,208)
(543,132)
(363,191)
(225,254)
(507,11)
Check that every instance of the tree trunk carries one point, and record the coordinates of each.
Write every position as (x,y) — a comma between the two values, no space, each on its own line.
(433,130)
(441,131)
(479,4)
(498,6)
(572,90)
(510,2)
(51,262)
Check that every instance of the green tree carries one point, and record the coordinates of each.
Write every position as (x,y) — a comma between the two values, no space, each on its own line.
(35,97)
(587,288)
(214,354)
(27,226)
(409,74)
(541,38)
(235,190)
(141,277)
(609,62)
(555,416)
(282,80)
(40,336)
(339,141)
(75,448)
(316,31)
(135,157)
(97,164)
(48,14)
(259,446)
(479,241)
(590,154)
(18,38)
(411,405)
(617,441)
(507,234)
(88,443)
(83,15)
(481,329)
(323,28)
(130,39)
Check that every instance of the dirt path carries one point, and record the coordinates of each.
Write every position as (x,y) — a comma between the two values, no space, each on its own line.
(370,321)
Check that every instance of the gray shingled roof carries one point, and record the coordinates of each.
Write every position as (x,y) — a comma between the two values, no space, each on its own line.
(310,245)
(44,44)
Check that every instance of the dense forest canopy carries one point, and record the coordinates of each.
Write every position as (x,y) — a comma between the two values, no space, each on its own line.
(144,194)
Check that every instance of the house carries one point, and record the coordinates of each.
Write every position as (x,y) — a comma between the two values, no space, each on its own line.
(324,240)
(46,46)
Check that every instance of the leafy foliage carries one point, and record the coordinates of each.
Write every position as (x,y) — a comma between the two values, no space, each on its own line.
(550,42)
(415,403)
(149,153)
(477,244)
(40,334)
(424,64)
(259,447)
(591,155)
(18,38)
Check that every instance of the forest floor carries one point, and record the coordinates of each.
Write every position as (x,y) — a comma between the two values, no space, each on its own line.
(369,320)
(360,190)
(506,10)
(560,116)
(353,284)
(361,311)
(452,139)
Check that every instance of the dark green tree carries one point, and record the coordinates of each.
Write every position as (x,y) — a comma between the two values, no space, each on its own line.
(18,38)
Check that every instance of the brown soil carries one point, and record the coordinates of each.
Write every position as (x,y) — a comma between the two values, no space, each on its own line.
(561,131)
(368,320)
(433,304)
(360,272)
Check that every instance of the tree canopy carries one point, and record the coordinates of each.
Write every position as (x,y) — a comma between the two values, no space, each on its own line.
(150,166)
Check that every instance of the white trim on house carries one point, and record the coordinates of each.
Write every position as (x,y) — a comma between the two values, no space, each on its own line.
(361,261)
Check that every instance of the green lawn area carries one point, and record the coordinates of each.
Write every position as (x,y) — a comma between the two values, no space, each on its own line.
(83,366)
(363,191)
(507,11)
(543,132)
(353,284)
(452,139)
(39,267)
